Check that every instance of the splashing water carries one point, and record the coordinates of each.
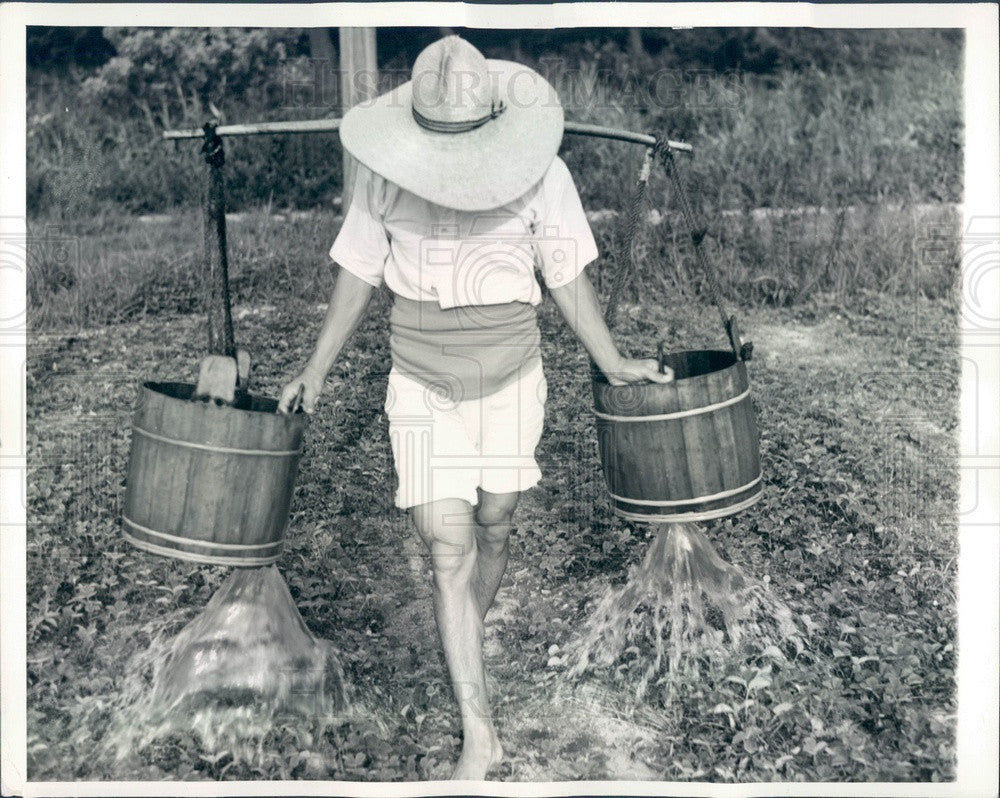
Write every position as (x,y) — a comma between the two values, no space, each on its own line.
(249,641)
(681,604)
(246,663)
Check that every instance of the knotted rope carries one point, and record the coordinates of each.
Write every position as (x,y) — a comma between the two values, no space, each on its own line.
(626,256)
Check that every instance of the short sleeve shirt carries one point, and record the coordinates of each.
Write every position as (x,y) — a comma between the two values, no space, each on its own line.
(429,253)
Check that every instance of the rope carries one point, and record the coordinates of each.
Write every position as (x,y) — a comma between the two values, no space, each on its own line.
(626,255)
(211,148)
(697,236)
(220,319)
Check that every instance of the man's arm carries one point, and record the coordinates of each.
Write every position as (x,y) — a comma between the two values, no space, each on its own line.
(348,303)
(577,301)
(347,307)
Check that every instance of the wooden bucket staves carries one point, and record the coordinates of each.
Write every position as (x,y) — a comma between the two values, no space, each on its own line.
(684,451)
(210,483)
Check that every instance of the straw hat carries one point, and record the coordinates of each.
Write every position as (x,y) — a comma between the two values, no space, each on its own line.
(465,132)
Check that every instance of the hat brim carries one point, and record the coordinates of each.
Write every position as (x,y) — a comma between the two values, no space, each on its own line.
(480,169)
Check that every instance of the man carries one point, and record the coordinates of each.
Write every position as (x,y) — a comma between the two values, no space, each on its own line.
(459,197)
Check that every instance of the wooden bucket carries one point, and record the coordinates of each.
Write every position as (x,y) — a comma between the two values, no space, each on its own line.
(207,483)
(682,451)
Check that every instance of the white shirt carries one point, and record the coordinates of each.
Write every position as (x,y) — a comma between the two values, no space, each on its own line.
(429,253)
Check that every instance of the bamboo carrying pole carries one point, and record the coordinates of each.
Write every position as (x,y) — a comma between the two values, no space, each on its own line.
(332,125)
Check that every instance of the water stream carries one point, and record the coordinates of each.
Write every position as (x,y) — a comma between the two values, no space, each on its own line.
(682,603)
(245,663)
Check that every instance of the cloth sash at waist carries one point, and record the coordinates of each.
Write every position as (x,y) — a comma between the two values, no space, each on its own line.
(464,352)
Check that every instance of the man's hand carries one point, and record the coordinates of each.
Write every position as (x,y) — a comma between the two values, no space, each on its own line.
(312,386)
(347,306)
(577,301)
(647,370)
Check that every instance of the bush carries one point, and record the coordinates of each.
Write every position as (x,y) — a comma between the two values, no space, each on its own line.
(176,76)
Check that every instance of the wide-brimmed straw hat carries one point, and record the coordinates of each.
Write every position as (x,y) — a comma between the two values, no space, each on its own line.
(465,132)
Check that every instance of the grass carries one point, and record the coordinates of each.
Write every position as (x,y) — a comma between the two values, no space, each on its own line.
(799,138)
(856,533)
(112,269)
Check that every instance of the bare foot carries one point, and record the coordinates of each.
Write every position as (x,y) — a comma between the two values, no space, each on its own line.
(478,758)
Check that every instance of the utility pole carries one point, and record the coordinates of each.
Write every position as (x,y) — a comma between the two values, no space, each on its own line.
(358,82)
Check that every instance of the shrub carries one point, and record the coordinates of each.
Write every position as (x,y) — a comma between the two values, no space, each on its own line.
(175,76)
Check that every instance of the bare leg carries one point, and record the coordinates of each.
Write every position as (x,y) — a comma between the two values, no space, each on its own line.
(449,530)
(493,517)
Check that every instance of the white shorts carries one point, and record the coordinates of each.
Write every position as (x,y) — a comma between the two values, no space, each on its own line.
(445,449)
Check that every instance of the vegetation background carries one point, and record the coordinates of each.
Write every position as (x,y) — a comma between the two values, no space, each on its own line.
(827,171)
(854,136)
